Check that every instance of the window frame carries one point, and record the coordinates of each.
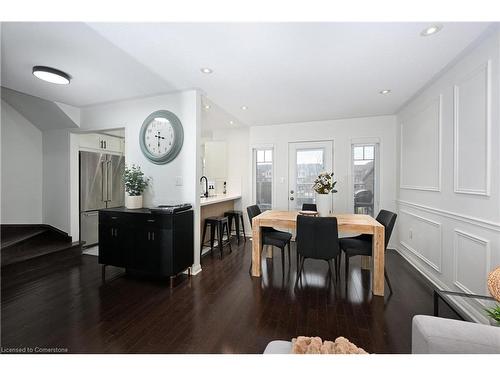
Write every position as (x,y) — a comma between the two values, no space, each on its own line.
(253,151)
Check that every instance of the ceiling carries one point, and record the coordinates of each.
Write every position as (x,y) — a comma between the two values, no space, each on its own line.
(283,72)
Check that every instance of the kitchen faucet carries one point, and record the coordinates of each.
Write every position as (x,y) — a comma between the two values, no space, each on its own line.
(205,194)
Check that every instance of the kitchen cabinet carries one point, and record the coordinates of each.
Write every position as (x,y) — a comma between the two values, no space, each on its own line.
(143,242)
(101,142)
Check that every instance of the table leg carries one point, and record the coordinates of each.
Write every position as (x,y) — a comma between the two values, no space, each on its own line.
(378,261)
(256,248)
(366,262)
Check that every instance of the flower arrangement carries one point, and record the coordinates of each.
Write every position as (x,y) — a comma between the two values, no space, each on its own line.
(135,182)
(324,183)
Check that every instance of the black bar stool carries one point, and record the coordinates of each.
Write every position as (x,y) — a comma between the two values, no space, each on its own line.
(216,224)
(238,217)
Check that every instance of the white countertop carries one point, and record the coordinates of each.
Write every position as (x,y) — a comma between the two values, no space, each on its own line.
(218,198)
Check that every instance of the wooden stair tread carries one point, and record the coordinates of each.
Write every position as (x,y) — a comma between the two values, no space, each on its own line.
(11,238)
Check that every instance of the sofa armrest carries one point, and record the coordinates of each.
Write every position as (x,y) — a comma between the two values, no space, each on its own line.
(432,335)
(278,347)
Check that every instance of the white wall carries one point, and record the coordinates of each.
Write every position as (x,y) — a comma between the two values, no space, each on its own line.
(21,169)
(343,133)
(449,196)
(130,115)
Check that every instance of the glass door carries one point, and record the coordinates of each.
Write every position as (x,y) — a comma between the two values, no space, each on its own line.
(306,160)
(365,179)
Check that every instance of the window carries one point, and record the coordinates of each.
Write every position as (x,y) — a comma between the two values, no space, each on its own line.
(263,159)
(364,178)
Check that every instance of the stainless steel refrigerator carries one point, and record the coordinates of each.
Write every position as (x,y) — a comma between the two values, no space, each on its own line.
(101,186)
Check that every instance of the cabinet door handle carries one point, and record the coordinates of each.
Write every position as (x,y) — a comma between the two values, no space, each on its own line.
(112,232)
(149,236)
(153,235)
(151,221)
(104,144)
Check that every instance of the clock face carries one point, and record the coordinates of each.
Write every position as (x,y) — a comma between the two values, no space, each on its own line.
(159,137)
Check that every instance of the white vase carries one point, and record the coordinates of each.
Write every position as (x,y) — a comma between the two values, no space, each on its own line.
(133,201)
(324,204)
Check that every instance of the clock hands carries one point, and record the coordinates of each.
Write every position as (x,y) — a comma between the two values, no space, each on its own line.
(159,137)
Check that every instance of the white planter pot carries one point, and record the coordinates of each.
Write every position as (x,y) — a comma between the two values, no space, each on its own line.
(133,201)
(324,204)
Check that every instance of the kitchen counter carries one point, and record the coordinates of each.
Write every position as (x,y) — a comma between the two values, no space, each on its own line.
(218,199)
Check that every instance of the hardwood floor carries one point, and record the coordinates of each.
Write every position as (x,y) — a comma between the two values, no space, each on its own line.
(62,303)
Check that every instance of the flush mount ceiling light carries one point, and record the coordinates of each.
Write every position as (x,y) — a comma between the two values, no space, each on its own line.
(51,75)
(385,92)
(207,106)
(206,70)
(244,107)
(433,29)
(231,122)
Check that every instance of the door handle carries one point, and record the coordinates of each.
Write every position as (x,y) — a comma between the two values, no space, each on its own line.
(291,191)
(292,198)
(102,181)
(109,177)
(153,235)
(149,236)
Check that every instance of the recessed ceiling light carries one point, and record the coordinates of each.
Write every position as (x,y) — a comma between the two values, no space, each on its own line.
(244,107)
(231,122)
(384,92)
(51,75)
(433,29)
(207,106)
(206,70)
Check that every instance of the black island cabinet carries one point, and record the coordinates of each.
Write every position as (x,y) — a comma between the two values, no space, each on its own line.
(145,242)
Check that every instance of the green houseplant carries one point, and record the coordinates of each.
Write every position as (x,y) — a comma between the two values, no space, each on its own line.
(135,184)
(494,314)
(324,185)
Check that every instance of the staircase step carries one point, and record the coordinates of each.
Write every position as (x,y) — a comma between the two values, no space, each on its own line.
(15,235)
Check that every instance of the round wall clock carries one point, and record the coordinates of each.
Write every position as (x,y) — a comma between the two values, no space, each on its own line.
(161,137)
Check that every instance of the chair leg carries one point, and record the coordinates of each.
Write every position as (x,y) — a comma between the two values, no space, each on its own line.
(289,257)
(346,269)
(337,270)
(212,238)
(388,282)
(228,238)
(283,259)
(237,225)
(243,227)
(220,234)
(299,274)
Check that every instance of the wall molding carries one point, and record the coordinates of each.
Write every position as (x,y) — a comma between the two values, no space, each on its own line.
(486,68)
(440,147)
(486,243)
(470,312)
(490,225)
(436,267)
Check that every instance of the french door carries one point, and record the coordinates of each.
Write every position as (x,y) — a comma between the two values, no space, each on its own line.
(305,161)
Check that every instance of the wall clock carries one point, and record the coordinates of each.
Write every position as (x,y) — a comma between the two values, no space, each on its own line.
(161,137)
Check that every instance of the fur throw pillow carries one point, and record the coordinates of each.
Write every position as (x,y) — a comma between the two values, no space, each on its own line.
(314,345)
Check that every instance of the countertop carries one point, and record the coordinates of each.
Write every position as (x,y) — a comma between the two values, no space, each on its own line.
(218,199)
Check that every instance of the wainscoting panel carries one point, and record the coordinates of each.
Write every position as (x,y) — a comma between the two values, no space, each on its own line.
(471,262)
(472,129)
(422,131)
(422,237)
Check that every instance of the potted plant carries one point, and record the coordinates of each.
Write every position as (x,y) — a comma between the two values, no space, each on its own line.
(494,314)
(324,186)
(135,184)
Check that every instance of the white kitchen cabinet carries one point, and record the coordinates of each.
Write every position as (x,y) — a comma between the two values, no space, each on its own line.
(101,143)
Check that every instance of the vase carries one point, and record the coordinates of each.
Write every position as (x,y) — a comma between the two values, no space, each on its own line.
(133,201)
(324,204)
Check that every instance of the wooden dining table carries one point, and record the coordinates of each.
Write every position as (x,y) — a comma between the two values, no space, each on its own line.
(347,223)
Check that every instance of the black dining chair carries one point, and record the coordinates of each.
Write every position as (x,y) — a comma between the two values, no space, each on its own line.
(309,207)
(271,236)
(317,238)
(362,244)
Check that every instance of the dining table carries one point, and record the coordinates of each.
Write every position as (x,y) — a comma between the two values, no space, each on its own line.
(347,224)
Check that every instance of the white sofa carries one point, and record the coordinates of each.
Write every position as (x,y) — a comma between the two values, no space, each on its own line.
(432,335)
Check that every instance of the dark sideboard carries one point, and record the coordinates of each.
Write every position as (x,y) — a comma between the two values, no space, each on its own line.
(145,242)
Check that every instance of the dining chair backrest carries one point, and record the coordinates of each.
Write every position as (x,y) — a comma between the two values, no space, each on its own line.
(317,237)
(253,211)
(309,207)
(387,219)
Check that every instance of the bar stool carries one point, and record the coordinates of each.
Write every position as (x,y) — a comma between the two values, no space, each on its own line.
(216,224)
(238,217)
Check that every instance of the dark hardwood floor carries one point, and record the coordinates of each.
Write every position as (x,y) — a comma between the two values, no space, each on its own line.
(61,302)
